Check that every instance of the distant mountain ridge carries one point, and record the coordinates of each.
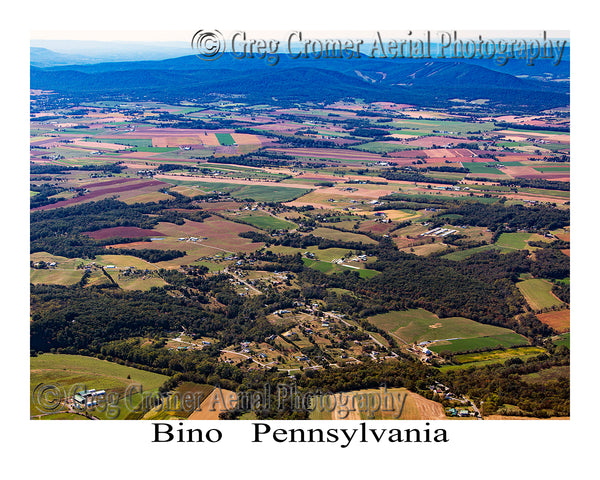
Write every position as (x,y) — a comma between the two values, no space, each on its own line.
(423,82)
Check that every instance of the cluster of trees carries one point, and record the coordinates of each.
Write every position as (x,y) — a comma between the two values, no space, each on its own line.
(529,183)
(562,291)
(534,128)
(303,241)
(35,169)
(87,318)
(61,231)
(497,216)
(497,385)
(413,176)
(44,192)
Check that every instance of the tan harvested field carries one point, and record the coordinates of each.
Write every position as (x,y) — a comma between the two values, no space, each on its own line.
(559,321)
(533,196)
(140,166)
(511,417)
(220,400)
(200,178)
(364,192)
(335,153)
(425,249)
(148,197)
(173,141)
(566,236)
(399,215)
(246,139)
(403,136)
(519,171)
(98,145)
(392,404)
(220,206)
(428,409)
(341,414)
(554,138)
(221,239)
(139,155)
(429,115)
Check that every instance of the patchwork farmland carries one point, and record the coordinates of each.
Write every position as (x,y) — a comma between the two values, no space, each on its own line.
(204,246)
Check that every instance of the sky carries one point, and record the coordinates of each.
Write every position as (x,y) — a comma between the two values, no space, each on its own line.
(185,35)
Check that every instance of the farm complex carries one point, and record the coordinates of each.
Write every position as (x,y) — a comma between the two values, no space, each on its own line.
(207,243)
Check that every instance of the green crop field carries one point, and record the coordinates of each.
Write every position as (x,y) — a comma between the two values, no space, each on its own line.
(418,325)
(55,276)
(70,372)
(496,356)
(259,193)
(482,168)
(263,193)
(267,222)
(132,142)
(514,240)
(493,341)
(381,147)
(564,339)
(225,139)
(538,293)
(528,132)
(331,234)
(325,255)
(328,267)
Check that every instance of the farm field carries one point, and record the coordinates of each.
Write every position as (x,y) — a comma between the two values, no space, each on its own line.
(150,216)
(551,373)
(538,293)
(76,371)
(328,267)
(325,255)
(559,321)
(181,403)
(55,276)
(406,405)
(479,168)
(266,221)
(214,236)
(331,234)
(440,127)
(564,340)
(495,356)
(215,403)
(493,341)
(514,240)
(463,254)
(414,326)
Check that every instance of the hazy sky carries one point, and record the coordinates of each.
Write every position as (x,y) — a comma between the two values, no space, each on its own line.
(185,35)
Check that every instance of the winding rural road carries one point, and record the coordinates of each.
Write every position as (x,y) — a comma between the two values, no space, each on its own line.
(241,280)
(350,325)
